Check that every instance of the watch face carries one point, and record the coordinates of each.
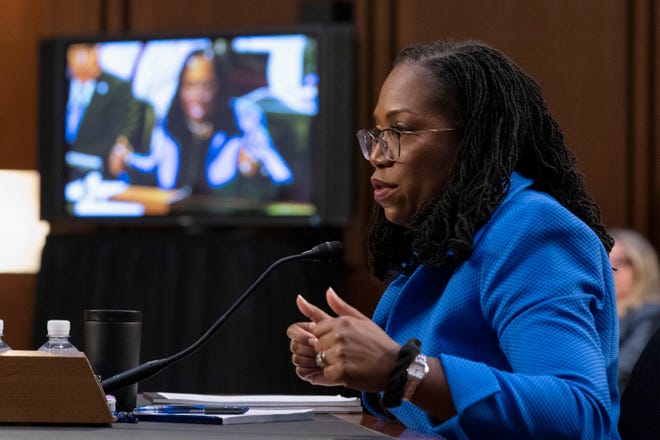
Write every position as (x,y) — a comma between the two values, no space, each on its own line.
(418,368)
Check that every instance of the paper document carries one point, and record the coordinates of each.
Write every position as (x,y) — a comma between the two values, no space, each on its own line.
(318,403)
(251,416)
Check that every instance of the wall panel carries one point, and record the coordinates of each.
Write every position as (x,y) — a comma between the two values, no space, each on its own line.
(17,136)
(653,189)
(17,309)
(175,15)
(576,51)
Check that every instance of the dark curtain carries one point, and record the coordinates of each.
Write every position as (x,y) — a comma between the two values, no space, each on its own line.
(183,282)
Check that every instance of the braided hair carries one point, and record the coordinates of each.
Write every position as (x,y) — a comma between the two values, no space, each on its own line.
(506,127)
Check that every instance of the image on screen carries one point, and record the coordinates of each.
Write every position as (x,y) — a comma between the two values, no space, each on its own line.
(197,125)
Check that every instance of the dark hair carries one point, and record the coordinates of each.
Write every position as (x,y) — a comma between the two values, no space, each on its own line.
(506,127)
(222,116)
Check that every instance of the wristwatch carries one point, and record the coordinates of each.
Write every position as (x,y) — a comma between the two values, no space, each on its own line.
(417,371)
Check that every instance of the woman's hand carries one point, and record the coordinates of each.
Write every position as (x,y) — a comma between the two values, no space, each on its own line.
(304,355)
(117,156)
(358,353)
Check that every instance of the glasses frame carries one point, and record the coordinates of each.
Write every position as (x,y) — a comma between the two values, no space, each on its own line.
(375,134)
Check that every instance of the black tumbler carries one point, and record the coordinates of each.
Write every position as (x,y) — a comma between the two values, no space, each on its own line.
(112,345)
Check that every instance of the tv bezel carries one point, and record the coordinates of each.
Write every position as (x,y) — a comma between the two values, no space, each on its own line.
(333,151)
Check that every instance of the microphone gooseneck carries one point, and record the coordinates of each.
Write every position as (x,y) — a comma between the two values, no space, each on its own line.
(323,252)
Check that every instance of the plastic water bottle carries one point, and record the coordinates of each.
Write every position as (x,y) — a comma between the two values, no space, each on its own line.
(3,345)
(58,338)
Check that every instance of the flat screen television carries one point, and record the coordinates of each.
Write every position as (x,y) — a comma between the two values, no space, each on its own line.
(235,127)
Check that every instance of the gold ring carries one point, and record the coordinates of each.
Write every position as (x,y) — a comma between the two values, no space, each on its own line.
(321,361)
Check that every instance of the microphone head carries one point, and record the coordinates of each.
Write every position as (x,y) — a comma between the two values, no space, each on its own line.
(329,250)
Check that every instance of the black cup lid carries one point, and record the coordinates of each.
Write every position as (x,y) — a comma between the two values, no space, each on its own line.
(113,315)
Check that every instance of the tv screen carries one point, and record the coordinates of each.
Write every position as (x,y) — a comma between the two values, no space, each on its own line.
(234,127)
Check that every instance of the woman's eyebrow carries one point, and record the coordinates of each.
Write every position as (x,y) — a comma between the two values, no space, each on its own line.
(394,112)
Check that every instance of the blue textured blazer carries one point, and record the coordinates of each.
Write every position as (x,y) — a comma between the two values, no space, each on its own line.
(526,329)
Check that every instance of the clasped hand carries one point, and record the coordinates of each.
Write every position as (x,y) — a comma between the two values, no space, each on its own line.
(358,353)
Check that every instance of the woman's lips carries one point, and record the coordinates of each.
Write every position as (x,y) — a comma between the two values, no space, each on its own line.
(382,190)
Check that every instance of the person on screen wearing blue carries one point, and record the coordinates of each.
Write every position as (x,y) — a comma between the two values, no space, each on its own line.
(199,120)
(251,153)
(499,320)
(194,148)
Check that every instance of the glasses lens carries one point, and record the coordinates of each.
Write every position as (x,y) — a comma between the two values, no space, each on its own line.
(389,144)
(387,140)
(365,139)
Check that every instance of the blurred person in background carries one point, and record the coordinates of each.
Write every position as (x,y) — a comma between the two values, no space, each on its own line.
(637,285)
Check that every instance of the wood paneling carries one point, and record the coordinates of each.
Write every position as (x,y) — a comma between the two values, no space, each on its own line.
(61,17)
(200,15)
(576,51)
(17,308)
(643,148)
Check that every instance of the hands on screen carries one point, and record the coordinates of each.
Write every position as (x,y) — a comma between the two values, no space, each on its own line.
(117,156)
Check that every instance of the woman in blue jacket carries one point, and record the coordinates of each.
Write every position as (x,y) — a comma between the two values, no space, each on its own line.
(499,320)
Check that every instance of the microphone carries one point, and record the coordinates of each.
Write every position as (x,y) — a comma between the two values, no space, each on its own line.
(327,251)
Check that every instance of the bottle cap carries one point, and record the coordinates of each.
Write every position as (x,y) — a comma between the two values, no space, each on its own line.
(58,328)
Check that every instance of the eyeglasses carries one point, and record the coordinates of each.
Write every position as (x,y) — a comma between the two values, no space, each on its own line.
(620,262)
(389,140)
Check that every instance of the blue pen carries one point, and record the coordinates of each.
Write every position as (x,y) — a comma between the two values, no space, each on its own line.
(192,409)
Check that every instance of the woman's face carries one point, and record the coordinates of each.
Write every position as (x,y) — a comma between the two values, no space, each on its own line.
(624,275)
(198,87)
(421,172)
